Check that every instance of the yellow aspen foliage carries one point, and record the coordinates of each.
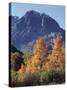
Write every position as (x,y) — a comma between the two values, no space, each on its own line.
(39,52)
(40,47)
(45,66)
(57,59)
(41,62)
(57,43)
(22,69)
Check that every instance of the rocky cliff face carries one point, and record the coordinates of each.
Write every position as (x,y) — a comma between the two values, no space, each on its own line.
(25,30)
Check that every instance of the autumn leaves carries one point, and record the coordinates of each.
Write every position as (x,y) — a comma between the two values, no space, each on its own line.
(41,60)
(41,66)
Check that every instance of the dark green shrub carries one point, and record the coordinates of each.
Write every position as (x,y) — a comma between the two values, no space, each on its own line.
(31,79)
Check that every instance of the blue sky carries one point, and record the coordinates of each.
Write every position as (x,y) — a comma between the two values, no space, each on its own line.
(56,12)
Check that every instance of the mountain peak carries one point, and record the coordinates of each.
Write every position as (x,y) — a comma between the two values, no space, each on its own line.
(32,12)
(32,25)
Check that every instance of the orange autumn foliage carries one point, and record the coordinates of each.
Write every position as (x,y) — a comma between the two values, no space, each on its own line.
(57,57)
(40,47)
(39,52)
(22,69)
(42,61)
